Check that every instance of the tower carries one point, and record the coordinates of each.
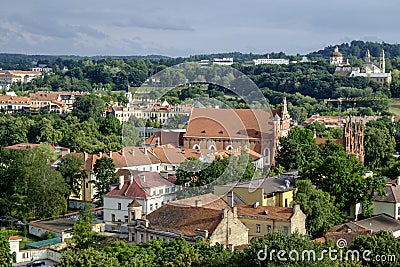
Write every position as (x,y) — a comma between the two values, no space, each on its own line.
(285,118)
(354,140)
(367,56)
(382,64)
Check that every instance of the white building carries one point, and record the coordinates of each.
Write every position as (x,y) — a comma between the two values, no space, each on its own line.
(149,189)
(273,61)
(226,61)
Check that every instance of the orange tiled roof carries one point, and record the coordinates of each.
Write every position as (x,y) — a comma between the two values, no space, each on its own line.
(14,99)
(184,220)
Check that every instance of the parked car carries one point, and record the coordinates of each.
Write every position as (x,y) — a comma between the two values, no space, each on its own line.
(36,263)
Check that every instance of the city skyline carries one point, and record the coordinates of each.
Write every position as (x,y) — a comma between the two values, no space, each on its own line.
(177,28)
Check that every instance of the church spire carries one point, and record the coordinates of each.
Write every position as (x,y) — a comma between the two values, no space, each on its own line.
(382,63)
(367,56)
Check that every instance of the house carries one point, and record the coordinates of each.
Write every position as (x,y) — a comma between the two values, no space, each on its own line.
(349,231)
(8,77)
(193,223)
(261,220)
(390,202)
(14,104)
(258,219)
(275,191)
(150,190)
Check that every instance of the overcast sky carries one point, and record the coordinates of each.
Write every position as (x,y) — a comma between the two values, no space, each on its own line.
(187,27)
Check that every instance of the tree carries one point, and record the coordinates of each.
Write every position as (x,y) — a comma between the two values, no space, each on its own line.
(84,236)
(110,125)
(6,256)
(343,177)
(104,170)
(297,149)
(318,206)
(379,147)
(88,106)
(381,244)
(72,168)
(87,257)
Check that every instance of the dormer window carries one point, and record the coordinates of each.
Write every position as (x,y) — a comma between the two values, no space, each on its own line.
(204,131)
(221,132)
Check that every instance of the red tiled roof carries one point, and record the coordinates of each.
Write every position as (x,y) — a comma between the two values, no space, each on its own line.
(14,238)
(184,220)
(14,99)
(229,123)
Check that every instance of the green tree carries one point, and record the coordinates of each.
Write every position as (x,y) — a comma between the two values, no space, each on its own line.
(6,256)
(318,206)
(88,106)
(104,170)
(72,168)
(87,257)
(379,147)
(84,236)
(297,149)
(381,244)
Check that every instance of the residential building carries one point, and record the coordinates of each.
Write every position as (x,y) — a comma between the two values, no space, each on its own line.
(59,102)
(349,231)
(150,190)
(262,220)
(193,223)
(277,191)
(14,104)
(390,202)
(8,77)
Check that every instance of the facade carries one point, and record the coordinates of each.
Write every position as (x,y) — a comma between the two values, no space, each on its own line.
(14,104)
(390,202)
(149,189)
(262,220)
(59,102)
(226,61)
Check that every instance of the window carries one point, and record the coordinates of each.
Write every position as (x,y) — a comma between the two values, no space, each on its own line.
(161,191)
(87,185)
(268,228)
(151,237)
(258,228)
(398,210)
(151,207)
(126,219)
(141,238)
(113,217)
(285,229)
(229,231)
(119,206)
(156,205)
(167,190)
(286,202)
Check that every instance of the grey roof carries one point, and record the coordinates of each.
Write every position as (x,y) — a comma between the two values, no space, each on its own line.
(270,184)
(380,222)
(392,194)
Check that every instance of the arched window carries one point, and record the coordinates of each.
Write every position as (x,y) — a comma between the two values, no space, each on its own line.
(196,146)
(266,156)
(212,147)
(229,147)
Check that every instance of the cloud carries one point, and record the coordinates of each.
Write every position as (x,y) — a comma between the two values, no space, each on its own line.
(157,23)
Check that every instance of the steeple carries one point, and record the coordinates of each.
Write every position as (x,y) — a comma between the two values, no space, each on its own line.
(367,56)
(382,64)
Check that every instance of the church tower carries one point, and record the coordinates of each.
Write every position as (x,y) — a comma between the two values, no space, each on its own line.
(285,118)
(382,63)
(367,56)
(354,139)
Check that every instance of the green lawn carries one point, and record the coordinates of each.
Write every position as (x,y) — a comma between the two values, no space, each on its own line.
(394,106)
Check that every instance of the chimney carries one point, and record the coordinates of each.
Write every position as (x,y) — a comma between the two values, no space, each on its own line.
(296,208)
(231,201)
(121,182)
(198,203)
(256,204)
(111,154)
(123,152)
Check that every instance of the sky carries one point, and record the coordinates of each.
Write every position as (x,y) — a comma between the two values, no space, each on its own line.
(187,27)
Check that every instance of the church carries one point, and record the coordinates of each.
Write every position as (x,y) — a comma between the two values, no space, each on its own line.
(232,129)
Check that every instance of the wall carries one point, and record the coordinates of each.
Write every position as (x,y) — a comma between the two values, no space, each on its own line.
(251,224)
(385,207)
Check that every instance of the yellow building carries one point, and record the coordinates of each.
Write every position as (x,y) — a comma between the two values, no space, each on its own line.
(275,191)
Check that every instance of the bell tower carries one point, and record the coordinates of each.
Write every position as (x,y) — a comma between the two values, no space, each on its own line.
(382,63)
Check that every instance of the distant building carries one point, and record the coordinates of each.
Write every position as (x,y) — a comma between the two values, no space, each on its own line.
(14,104)
(8,77)
(336,58)
(273,61)
(375,71)
(226,61)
